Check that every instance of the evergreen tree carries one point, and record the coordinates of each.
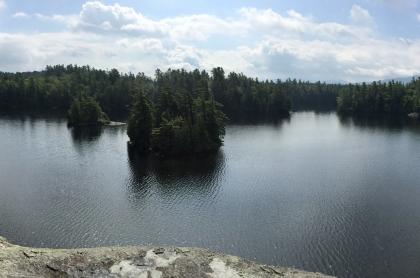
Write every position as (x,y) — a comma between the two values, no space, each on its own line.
(140,123)
(86,111)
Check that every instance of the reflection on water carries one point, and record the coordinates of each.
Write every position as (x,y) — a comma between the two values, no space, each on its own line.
(387,122)
(197,175)
(320,192)
(84,138)
(255,120)
(206,167)
(80,134)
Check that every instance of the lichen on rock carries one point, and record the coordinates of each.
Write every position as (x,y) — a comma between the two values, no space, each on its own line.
(130,262)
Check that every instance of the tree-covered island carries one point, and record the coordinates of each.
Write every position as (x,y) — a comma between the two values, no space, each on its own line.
(179,111)
(85,111)
(181,120)
(176,112)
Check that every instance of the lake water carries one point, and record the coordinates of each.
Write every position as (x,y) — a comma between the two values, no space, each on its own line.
(316,191)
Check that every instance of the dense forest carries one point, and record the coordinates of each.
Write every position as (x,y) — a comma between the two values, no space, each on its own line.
(180,119)
(311,96)
(186,126)
(380,98)
(85,111)
(178,111)
(56,87)
(237,95)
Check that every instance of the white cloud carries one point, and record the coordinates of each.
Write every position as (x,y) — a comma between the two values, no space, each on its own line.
(2,4)
(201,27)
(360,15)
(418,17)
(96,16)
(20,15)
(259,42)
(69,20)
(295,24)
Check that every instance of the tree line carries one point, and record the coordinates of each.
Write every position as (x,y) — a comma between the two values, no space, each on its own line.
(55,88)
(380,98)
(178,111)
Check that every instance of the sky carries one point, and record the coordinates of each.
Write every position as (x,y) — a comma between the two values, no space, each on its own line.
(333,41)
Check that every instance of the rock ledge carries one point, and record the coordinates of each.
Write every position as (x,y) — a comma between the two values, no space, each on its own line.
(143,262)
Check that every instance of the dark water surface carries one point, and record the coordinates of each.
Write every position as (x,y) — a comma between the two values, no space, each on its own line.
(340,196)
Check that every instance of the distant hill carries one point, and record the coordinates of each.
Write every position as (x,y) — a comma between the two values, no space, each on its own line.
(401,79)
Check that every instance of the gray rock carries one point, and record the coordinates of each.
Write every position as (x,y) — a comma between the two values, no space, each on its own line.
(154,262)
(414,115)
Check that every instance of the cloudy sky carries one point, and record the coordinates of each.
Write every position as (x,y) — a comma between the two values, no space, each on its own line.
(329,40)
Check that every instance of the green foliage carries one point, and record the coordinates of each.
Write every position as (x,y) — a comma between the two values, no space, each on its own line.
(390,98)
(86,111)
(174,93)
(186,119)
(56,87)
(306,95)
(140,123)
(242,96)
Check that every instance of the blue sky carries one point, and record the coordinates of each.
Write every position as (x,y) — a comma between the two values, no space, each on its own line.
(312,40)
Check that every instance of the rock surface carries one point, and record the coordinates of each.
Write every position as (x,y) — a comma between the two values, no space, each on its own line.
(143,262)
(414,115)
(111,123)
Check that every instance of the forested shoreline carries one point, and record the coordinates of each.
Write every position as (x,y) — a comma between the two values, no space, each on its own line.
(178,121)
(392,97)
(240,96)
(56,87)
(236,95)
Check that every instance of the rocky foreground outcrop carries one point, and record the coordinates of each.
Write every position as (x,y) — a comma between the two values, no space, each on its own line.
(144,262)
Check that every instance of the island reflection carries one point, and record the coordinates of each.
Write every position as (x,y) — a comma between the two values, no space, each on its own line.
(197,177)
(85,134)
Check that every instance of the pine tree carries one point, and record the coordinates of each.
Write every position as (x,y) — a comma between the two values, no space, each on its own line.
(140,123)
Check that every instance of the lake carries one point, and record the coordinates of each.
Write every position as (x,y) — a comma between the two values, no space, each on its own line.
(316,191)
